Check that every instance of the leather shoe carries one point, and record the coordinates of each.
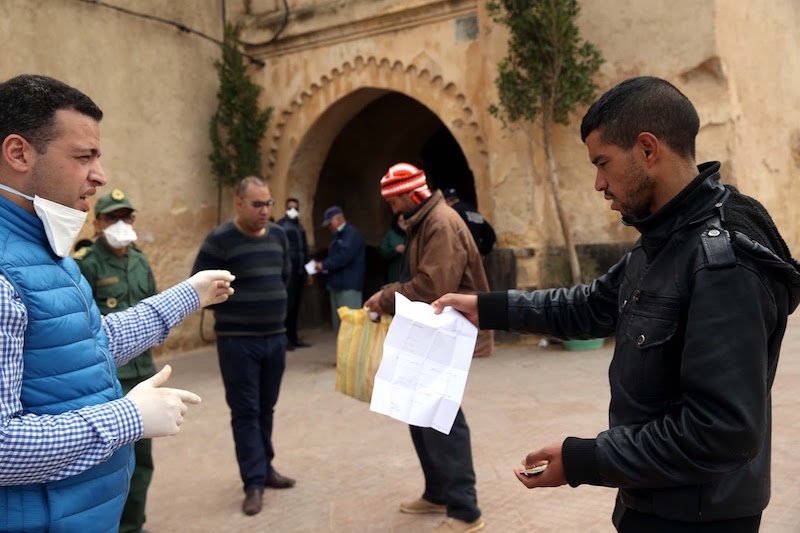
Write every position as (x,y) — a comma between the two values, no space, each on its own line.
(454,525)
(252,501)
(277,481)
(301,344)
(422,506)
(290,347)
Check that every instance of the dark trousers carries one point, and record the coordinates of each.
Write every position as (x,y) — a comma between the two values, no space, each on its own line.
(631,521)
(133,515)
(447,465)
(294,293)
(252,368)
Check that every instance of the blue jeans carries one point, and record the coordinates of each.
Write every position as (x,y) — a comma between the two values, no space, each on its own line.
(447,464)
(252,368)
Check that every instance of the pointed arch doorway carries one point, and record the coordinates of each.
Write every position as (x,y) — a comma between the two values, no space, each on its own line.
(389,128)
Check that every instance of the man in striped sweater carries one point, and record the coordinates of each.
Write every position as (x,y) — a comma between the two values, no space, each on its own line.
(251,337)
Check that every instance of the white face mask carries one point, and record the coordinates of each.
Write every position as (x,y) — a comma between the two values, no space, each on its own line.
(292,213)
(119,234)
(61,223)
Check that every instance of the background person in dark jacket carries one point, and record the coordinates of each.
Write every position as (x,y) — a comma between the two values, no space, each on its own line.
(699,307)
(481,230)
(298,255)
(344,264)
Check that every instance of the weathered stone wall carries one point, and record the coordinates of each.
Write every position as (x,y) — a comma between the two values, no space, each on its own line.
(738,62)
(712,50)
(759,51)
(329,63)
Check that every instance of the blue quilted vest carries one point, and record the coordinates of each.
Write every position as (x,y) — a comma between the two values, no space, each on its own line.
(67,366)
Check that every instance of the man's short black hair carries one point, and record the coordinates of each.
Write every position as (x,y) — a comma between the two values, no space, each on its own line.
(28,105)
(644,104)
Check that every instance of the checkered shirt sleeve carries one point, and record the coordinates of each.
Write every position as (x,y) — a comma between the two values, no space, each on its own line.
(132,331)
(43,448)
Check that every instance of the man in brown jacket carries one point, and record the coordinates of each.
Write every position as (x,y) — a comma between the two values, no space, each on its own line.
(441,256)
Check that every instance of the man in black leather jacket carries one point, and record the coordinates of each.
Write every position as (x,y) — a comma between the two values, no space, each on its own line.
(699,308)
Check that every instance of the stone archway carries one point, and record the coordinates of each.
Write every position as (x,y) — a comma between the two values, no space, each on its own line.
(392,128)
(303,132)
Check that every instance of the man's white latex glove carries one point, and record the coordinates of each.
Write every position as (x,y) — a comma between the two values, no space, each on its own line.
(161,409)
(212,286)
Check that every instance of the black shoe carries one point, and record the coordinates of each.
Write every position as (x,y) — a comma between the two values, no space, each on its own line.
(301,344)
(277,481)
(290,347)
(253,500)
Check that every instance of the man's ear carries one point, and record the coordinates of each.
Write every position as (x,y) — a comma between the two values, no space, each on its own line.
(649,147)
(18,153)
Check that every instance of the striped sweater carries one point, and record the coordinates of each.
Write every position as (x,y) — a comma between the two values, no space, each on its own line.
(261,266)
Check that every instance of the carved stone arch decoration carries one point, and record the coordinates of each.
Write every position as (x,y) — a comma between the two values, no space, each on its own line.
(303,131)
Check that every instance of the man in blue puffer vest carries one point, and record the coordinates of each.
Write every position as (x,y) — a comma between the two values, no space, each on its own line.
(66,432)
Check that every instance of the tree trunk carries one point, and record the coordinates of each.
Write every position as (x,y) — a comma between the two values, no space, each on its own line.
(572,254)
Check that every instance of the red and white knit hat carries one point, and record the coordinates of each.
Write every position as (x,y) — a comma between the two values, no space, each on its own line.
(404,178)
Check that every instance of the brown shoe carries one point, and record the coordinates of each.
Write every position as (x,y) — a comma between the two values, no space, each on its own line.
(422,506)
(253,498)
(452,525)
(277,481)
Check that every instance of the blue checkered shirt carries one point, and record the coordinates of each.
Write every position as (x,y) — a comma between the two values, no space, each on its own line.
(42,448)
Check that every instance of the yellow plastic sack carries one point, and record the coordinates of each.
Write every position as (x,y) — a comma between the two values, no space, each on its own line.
(359,348)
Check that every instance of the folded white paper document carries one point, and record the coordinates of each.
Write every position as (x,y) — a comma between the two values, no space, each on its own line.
(425,365)
(311,267)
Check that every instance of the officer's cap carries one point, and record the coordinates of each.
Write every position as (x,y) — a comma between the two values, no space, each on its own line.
(112,201)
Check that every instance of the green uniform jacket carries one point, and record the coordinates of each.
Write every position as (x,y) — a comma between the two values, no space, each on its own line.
(393,260)
(119,282)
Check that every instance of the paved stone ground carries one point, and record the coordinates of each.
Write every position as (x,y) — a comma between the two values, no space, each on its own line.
(354,467)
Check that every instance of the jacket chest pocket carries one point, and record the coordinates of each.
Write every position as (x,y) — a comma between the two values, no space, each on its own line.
(650,366)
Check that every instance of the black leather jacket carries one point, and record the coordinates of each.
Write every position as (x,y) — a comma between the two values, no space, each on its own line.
(699,311)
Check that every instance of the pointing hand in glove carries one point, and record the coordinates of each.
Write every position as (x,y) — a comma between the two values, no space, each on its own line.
(161,408)
(212,286)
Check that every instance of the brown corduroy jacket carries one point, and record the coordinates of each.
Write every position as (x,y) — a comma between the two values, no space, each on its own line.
(442,258)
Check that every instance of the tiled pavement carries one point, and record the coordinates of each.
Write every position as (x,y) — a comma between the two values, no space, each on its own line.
(354,467)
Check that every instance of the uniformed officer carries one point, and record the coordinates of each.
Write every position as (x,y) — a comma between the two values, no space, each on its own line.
(120,277)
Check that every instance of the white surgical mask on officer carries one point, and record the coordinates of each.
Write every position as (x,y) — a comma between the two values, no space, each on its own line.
(292,213)
(119,234)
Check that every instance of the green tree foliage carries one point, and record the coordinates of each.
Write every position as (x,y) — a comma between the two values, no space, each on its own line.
(238,125)
(548,71)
